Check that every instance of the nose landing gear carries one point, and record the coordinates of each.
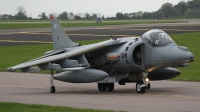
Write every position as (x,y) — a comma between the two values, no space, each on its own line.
(143,84)
(140,87)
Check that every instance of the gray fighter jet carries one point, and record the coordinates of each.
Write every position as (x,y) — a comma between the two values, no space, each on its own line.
(153,56)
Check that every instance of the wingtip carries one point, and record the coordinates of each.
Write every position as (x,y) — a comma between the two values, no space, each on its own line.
(10,69)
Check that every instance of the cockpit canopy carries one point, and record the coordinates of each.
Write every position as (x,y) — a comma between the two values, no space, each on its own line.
(157,37)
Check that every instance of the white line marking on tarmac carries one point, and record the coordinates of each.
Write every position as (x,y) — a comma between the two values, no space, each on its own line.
(36,33)
(30,87)
(165,30)
(175,96)
(16,41)
(22,87)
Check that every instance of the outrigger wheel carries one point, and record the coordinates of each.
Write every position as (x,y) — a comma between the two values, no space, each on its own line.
(52,89)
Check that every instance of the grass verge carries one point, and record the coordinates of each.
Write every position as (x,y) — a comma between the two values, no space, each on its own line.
(19,107)
(191,41)
(12,55)
(47,25)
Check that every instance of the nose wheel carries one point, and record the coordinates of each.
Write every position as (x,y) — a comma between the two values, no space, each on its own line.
(140,87)
(143,84)
(52,89)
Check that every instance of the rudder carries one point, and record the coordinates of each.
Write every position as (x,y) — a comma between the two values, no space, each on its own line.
(59,37)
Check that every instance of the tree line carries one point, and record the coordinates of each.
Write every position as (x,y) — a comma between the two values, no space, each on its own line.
(190,9)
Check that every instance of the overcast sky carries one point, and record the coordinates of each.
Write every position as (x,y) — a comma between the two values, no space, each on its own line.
(105,7)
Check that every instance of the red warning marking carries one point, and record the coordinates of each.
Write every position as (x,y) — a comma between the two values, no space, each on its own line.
(113,57)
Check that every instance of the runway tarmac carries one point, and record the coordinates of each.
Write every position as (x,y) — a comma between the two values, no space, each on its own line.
(43,35)
(164,96)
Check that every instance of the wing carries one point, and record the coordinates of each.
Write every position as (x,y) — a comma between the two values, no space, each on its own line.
(72,53)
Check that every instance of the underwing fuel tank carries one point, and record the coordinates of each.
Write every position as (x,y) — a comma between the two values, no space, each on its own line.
(81,76)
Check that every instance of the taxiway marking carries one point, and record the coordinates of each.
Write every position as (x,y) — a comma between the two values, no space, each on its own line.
(44,88)
(35,33)
(165,30)
(175,96)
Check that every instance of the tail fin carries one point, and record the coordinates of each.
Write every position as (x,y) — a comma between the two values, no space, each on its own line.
(59,37)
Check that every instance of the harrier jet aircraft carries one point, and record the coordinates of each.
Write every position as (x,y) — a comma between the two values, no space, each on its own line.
(153,56)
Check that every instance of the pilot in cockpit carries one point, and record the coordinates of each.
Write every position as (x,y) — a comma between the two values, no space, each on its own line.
(157,38)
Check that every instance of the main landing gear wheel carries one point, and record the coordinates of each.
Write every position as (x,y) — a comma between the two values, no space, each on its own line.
(52,89)
(110,87)
(102,86)
(140,87)
(105,86)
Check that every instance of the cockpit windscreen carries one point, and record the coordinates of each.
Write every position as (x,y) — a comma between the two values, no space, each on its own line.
(157,38)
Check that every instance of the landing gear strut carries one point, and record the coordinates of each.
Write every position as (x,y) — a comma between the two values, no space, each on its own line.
(106,86)
(52,89)
(143,84)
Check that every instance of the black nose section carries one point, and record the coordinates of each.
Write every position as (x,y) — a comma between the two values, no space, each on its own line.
(178,72)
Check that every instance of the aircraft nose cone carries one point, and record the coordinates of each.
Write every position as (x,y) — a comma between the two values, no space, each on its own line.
(192,57)
(179,55)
